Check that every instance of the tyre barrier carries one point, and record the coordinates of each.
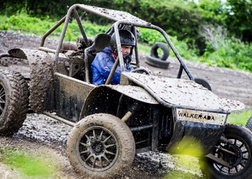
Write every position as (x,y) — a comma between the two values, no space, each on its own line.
(158,61)
(163,47)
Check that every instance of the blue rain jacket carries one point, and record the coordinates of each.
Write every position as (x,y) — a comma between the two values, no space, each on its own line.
(102,65)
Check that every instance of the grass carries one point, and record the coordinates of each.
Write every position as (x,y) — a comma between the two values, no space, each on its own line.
(240,117)
(28,165)
(180,175)
(32,25)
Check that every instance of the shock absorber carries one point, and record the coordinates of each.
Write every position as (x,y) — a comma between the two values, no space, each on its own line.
(132,110)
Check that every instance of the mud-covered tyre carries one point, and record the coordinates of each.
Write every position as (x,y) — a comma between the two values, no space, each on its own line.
(5,60)
(249,123)
(13,102)
(155,48)
(41,80)
(203,82)
(237,153)
(100,146)
(156,62)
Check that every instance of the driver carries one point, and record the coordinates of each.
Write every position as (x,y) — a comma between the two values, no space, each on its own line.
(104,60)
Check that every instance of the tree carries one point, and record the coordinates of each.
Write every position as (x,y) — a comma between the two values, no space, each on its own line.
(239,18)
(213,12)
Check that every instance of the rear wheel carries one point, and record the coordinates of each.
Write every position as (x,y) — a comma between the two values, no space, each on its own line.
(13,102)
(235,153)
(101,146)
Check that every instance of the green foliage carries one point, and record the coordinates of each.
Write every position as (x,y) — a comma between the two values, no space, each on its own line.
(220,50)
(184,50)
(231,54)
(178,174)
(3,23)
(212,11)
(29,165)
(176,17)
(188,164)
(180,18)
(26,24)
(149,37)
(23,22)
(240,18)
(224,51)
(240,117)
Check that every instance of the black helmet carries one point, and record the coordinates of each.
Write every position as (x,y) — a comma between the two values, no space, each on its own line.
(126,38)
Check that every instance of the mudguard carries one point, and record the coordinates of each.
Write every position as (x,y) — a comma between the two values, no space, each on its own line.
(134,92)
(41,65)
(112,93)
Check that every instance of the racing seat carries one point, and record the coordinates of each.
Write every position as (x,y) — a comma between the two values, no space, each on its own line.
(100,42)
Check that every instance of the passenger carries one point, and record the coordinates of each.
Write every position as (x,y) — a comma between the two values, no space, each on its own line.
(104,61)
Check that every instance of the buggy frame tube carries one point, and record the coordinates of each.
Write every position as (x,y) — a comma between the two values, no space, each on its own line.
(51,30)
(182,64)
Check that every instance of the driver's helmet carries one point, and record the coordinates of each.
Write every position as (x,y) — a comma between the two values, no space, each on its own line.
(126,38)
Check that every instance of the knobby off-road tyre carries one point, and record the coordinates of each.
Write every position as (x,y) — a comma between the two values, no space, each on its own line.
(100,146)
(249,123)
(239,156)
(41,80)
(13,102)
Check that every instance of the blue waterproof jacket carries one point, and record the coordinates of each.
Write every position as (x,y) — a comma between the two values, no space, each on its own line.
(102,65)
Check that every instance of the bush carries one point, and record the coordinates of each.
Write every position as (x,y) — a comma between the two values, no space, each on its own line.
(224,51)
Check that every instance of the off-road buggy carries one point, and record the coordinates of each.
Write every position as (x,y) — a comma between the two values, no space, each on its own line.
(111,123)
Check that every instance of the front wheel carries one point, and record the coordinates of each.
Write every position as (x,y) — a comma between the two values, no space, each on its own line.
(234,155)
(100,146)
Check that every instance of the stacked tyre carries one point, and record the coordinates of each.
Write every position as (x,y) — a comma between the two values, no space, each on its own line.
(156,60)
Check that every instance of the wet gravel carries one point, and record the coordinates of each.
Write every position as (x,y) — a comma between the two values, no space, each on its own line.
(49,132)
(40,128)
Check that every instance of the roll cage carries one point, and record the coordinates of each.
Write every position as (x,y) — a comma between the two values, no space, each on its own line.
(120,19)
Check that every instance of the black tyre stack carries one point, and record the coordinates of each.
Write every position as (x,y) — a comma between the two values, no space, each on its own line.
(156,60)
